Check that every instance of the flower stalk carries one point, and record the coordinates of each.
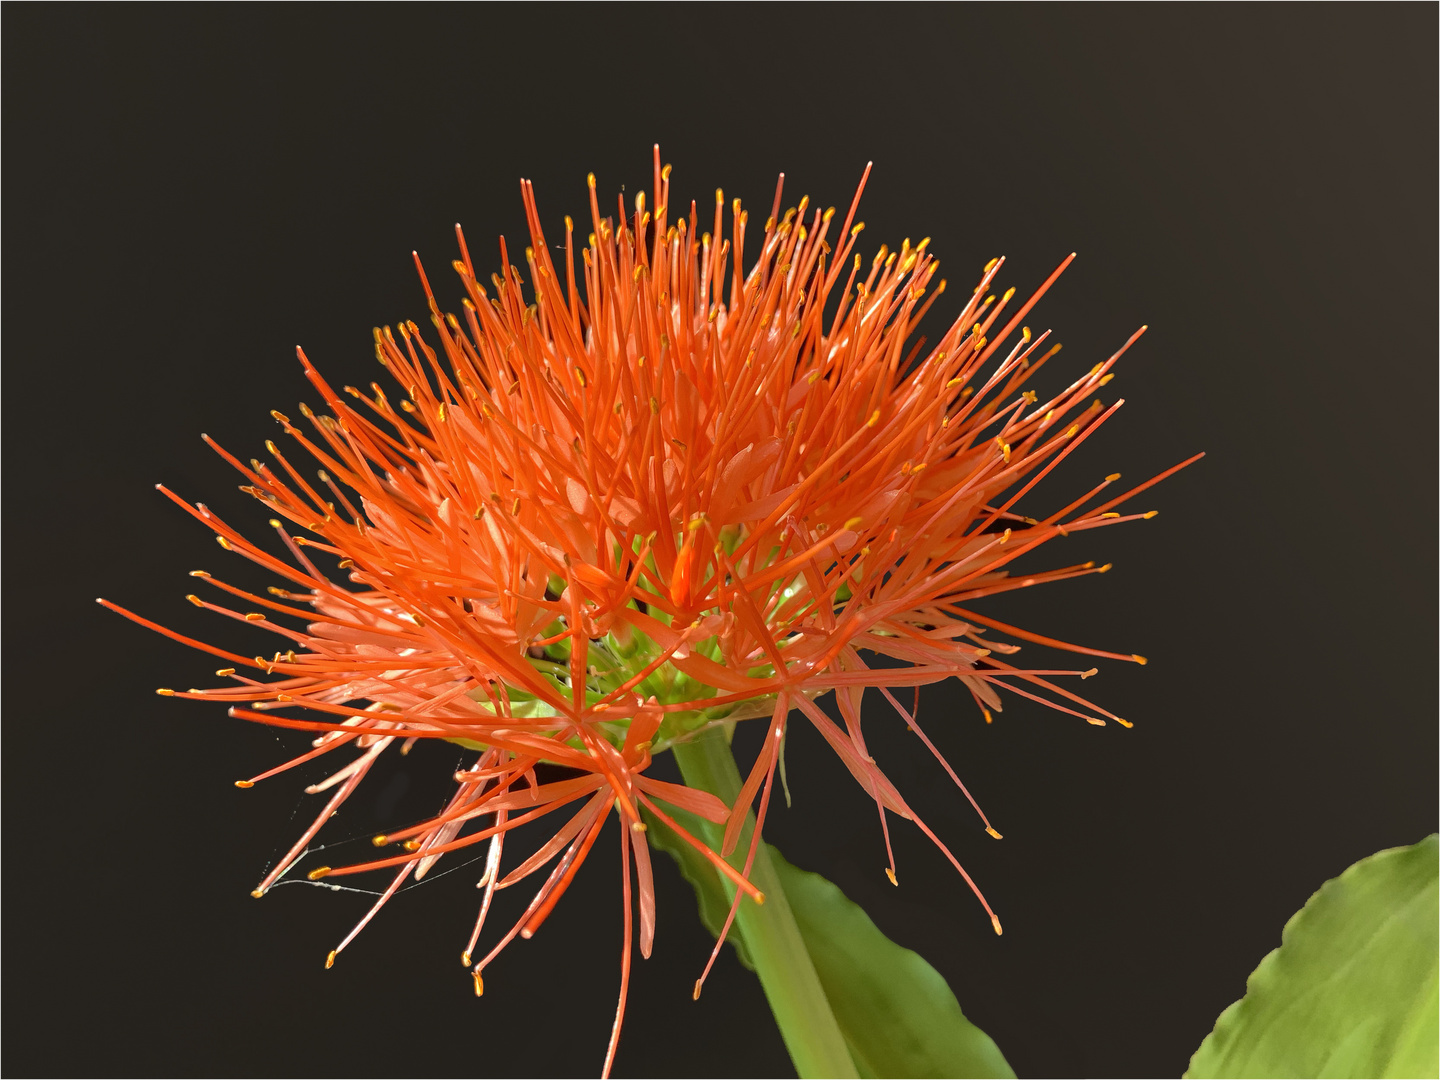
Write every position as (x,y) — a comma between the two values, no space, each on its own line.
(772,937)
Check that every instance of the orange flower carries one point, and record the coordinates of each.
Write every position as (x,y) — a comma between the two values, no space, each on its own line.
(654,493)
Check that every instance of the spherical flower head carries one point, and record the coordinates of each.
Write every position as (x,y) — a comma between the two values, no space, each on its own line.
(645,490)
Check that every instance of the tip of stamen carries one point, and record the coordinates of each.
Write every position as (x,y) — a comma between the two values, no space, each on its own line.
(1124,723)
(165,691)
(1149,514)
(891,875)
(638,826)
(695,994)
(759,898)
(465,958)
(1087,674)
(379,841)
(1139,659)
(527,933)
(244,783)
(318,873)
(479,984)
(1104,569)
(995,922)
(257,893)
(991,830)
(330,960)
(411,845)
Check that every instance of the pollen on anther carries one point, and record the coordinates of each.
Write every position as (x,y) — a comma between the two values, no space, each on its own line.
(330,960)
(995,922)
(479,982)
(991,830)
(318,873)
(891,875)
(244,783)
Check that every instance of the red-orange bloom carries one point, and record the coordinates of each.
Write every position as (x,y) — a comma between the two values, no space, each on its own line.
(643,493)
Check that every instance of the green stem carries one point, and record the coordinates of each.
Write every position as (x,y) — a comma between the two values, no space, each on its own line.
(771,935)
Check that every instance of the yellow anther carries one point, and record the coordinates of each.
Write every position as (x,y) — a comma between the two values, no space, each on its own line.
(479,984)
(1106,378)
(988,718)
(995,922)
(1112,478)
(224,671)
(195,599)
(1149,514)
(891,875)
(638,826)
(257,893)
(991,830)
(223,542)
(318,873)
(165,691)
(411,845)
(379,841)
(874,419)
(330,960)
(198,573)
(254,616)
(1104,569)
(1139,659)
(854,523)
(1110,514)
(465,958)
(990,266)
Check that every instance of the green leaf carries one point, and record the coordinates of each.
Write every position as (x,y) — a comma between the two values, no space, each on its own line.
(711,896)
(897,1014)
(1352,989)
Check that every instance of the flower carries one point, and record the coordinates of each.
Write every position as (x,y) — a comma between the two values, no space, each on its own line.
(640,494)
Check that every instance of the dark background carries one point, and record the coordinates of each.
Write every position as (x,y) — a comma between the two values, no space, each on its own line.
(190,192)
